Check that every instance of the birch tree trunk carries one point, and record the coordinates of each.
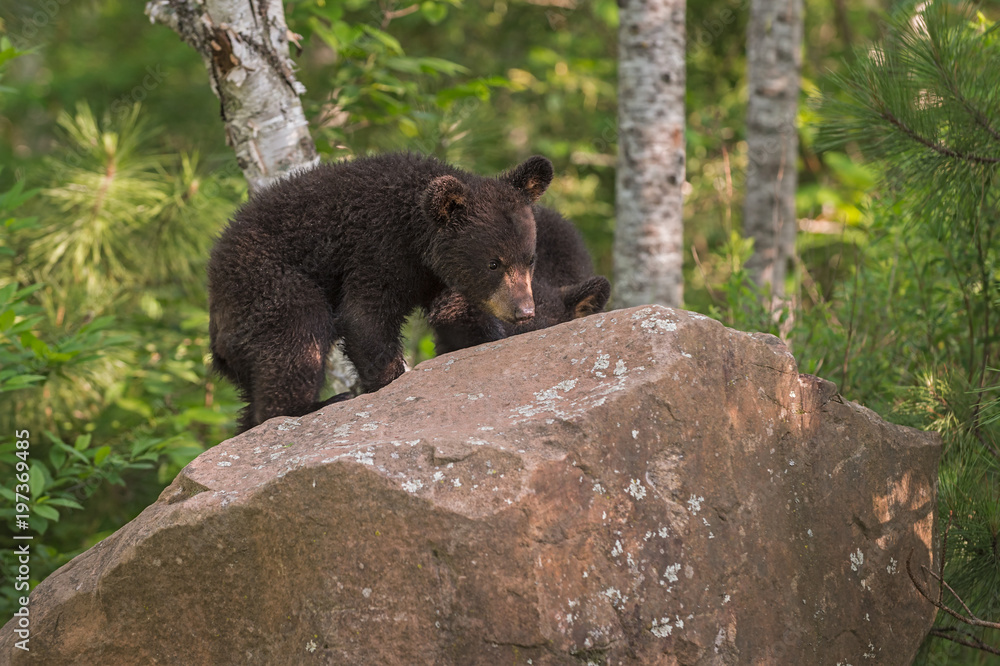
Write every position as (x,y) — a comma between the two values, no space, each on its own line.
(244,44)
(774,65)
(649,232)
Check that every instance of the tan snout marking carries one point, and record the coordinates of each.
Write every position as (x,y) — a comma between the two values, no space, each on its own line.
(512,294)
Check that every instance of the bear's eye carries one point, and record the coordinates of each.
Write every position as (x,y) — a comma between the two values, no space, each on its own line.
(531,262)
(495,264)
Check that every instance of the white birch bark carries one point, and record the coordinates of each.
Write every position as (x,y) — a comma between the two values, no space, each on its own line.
(774,65)
(244,44)
(649,231)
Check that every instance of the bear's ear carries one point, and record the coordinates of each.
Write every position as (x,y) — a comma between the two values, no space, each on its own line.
(531,176)
(586,298)
(444,196)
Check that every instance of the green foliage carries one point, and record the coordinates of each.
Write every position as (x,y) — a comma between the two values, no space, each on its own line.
(106,191)
(377,93)
(7,53)
(923,104)
(69,474)
(738,301)
(103,331)
(26,359)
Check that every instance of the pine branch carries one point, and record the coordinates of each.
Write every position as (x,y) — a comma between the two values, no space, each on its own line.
(944,553)
(888,116)
(976,114)
(966,639)
(969,618)
(951,83)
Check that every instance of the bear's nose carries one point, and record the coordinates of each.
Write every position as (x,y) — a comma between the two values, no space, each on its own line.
(523,314)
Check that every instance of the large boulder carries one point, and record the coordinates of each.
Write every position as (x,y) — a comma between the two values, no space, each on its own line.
(643,486)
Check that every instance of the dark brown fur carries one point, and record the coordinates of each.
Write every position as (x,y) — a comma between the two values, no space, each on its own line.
(563,284)
(348,250)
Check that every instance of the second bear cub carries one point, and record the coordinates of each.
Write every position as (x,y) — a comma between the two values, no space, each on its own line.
(348,250)
(563,284)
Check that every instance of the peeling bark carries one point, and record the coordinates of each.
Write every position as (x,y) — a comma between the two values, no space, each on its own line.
(774,65)
(649,232)
(244,44)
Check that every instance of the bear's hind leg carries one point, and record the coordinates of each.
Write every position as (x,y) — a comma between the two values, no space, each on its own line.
(293,337)
(288,382)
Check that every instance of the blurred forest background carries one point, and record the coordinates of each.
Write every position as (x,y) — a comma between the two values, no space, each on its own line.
(116,178)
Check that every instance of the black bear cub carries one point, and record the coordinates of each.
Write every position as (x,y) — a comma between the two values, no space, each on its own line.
(348,250)
(563,284)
